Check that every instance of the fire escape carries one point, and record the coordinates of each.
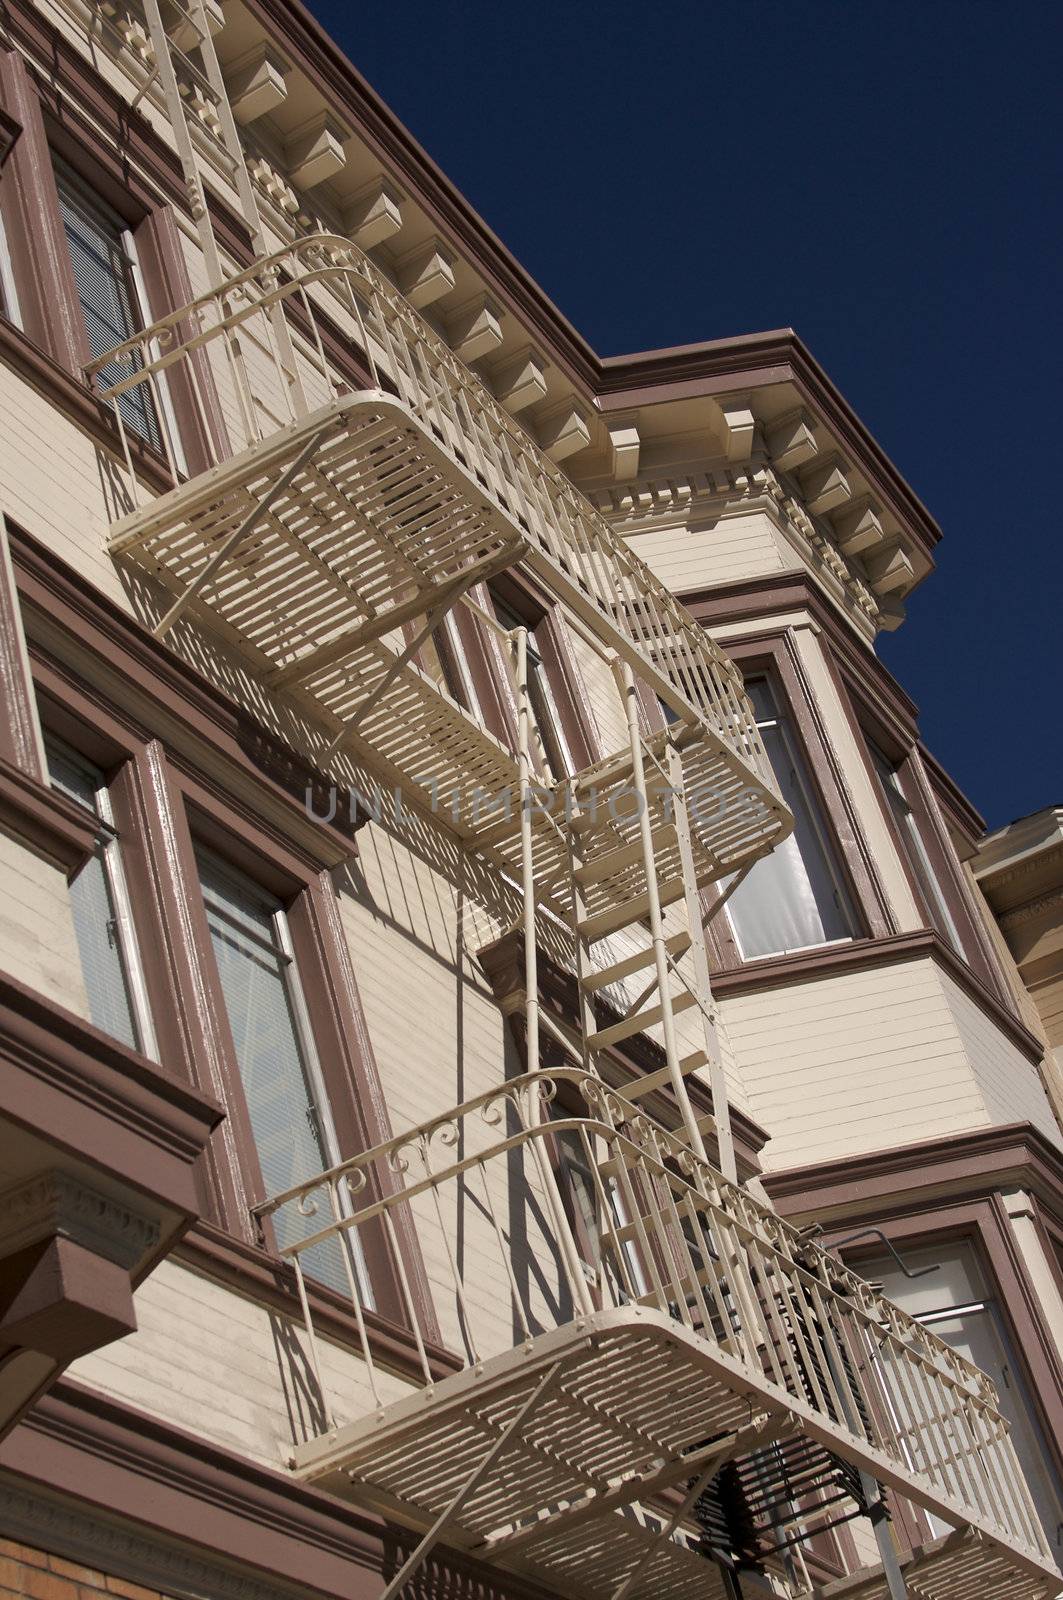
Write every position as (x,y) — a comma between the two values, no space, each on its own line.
(672,1392)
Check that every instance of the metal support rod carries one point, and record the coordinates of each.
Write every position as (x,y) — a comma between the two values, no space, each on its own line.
(887,1550)
(563,1232)
(160,45)
(702,979)
(872,1491)
(671,1049)
(527,862)
(697,1487)
(418,1557)
(235,539)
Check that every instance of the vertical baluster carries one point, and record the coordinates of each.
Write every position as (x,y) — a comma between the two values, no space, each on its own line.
(347,1247)
(457,1277)
(311,1337)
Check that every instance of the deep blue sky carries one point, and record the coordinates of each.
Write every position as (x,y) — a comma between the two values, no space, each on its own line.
(886,179)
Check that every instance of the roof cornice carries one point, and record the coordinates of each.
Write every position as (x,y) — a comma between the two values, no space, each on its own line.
(752,360)
(612,382)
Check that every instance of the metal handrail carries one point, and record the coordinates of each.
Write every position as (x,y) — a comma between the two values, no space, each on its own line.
(807,1332)
(570,543)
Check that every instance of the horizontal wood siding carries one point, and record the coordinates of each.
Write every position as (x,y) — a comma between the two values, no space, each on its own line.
(1009,1083)
(37,942)
(857,1062)
(211,1361)
(688,558)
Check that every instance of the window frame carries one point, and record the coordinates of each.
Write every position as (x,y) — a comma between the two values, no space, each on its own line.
(774,656)
(152,788)
(109,852)
(900,748)
(913,848)
(980,1226)
(830,853)
(573,720)
(50,311)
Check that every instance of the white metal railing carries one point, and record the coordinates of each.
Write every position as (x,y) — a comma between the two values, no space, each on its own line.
(570,544)
(639,1218)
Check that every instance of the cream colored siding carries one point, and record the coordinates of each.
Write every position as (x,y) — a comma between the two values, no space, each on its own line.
(209,1360)
(437,1034)
(689,558)
(1008,1082)
(37,942)
(861,1061)
(56,493)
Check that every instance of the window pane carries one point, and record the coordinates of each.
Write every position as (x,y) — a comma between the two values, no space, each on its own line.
(103,279)
(8,295)
(793,898)
(96,928)
(915,850)
(286,1121)
(553,748)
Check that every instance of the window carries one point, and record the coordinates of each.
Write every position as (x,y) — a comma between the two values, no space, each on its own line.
(107,278)
(444,661)
(915,849)
(957,1304)
(287,1105)
(793,899)
(99,900)
(555,758)
(9,307)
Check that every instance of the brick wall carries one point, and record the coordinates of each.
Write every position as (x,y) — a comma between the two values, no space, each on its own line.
(30,1574)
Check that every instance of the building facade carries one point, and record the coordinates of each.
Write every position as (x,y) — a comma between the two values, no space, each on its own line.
(511,1084)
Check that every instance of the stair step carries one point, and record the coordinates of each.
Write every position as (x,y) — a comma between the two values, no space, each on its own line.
(614,1165)
(627,911)
(662,1078)
(628,855)
(602,977)
(638,1022)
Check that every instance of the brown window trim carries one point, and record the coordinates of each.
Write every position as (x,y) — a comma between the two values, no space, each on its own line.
(148,785)
(775,656)
(47,295)
(902,747)
(336,1021)
(30,809)
(873,701)
(539,610)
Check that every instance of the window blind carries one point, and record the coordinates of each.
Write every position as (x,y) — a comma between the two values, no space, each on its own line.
(103,278)
(103,961)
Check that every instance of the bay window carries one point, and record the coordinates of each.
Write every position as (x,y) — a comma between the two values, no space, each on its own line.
(914,848)
(795,898)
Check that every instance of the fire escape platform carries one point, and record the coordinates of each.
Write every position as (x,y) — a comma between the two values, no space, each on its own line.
(322,554)
(636,1403)
(962,1566)
(636,1406)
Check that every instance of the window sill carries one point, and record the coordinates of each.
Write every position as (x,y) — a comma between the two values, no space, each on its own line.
(77,402)
(53,827)
(267,1279)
